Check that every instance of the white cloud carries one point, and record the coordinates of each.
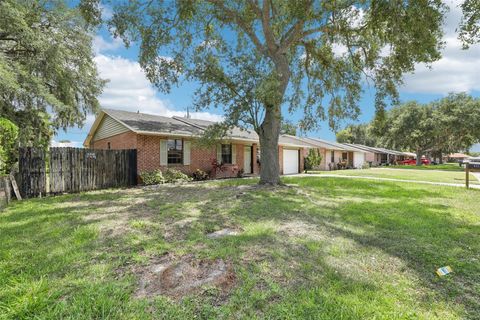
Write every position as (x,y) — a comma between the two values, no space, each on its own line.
(107,12)
(102,45)
(128,89)
(457,70)
(66,143)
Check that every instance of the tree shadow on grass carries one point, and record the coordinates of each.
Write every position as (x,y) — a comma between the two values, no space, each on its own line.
(279,274)
(416,226)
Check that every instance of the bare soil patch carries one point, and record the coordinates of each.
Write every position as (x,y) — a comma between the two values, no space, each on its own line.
(223,233)
(177,278)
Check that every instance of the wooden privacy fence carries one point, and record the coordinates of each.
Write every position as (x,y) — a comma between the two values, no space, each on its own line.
(62,170)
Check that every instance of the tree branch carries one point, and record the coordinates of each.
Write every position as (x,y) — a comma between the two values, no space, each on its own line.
(241,23)
(267,30)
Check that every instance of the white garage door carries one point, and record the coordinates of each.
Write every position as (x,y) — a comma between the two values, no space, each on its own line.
(358,159)
(290,161)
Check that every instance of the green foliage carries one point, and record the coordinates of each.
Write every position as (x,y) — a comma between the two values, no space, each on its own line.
(288,128)
(470,24)
(410,126)
(251,58)
(296,48)
(200,175)
(152,177)
(8,145)
(447,125)
(174,175)
(312,160)
(48,79)
(359,134)
(457,119)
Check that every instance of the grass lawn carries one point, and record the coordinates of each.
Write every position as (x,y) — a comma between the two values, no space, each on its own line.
(407,174)
(324,248)
(445,166)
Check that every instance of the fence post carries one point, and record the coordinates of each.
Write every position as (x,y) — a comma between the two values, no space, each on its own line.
(7,190)
(467,175)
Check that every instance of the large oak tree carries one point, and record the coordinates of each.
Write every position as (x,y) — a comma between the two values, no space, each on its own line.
(447,125)
(48,79)
(410,126)
(304,54)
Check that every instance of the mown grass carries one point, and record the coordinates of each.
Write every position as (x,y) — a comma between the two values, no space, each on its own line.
(407,174)
(322,248)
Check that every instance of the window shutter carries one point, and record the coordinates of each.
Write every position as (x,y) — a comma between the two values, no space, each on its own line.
(219,153)
(186,153)
(163,152)
(234,154)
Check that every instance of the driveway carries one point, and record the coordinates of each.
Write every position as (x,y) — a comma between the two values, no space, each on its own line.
(476,175)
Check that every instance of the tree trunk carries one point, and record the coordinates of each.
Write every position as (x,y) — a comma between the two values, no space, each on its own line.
(419,157)
(269,132)
(440,159)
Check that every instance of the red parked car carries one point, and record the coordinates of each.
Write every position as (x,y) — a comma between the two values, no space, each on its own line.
(412,162)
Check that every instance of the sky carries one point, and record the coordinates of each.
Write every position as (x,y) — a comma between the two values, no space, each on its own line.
(128,89)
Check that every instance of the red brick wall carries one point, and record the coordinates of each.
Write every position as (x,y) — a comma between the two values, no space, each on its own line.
(148,158)
(148,155)
(126,140)
(148,152)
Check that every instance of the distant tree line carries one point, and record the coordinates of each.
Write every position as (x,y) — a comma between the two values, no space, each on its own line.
(441,127)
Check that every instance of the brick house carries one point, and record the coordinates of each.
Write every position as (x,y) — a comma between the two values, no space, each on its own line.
(164,142)
(380,156)
(334,154)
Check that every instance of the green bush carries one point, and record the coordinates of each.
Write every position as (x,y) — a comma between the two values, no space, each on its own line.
(152,177)
(312,160)
(200,175)
(173,175)
(8,144)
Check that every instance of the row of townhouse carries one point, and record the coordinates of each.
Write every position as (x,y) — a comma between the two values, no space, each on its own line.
(170,142)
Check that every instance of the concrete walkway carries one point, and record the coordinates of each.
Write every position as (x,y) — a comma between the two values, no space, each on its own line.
(476,175)
(328,175)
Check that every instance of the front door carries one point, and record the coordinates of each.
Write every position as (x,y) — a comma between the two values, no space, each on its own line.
(247,162)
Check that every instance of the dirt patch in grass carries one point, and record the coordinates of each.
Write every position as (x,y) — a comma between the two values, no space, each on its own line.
(113,218)
(224,233)
(177,278)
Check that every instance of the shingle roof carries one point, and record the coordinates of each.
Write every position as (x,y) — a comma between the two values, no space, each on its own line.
(286,139)
(336,145)
(153,124)
(316,142)
(141,122)
(235,133)
(380,150)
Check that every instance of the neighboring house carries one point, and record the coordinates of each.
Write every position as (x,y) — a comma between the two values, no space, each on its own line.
(164,142)
(456,157)
(376,156)
(335,155)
